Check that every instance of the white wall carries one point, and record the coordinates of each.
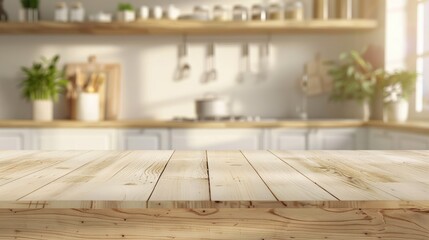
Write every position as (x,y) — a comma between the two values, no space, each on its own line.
(149,62)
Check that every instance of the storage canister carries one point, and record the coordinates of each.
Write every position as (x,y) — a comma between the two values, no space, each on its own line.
(321,9)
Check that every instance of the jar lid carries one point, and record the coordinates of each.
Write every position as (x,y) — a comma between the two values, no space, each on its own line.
(61,5)
(77,5)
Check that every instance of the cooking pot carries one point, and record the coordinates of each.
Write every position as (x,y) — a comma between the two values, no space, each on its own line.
(212,107)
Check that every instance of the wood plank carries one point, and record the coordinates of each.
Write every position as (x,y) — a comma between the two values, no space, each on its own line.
(286,183)
(184,182)
(342,181)
(12,169)
(95,173)
(394,172)
(219,224)
(383,166)
(130,177)
(25,185)
(232,178)
(162,27)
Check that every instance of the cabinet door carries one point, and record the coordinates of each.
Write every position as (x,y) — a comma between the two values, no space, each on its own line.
(151,139)
(75,139)
(217,139)
(406,141)
(380,140)
(288,139)
(11,139)
(338,139)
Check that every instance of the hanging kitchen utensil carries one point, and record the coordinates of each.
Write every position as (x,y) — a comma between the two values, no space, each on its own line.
(245,72)
(183,70)
(210,74)
(264,59)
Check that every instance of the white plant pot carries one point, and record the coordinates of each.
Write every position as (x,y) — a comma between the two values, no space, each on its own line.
(366,110)
(126,16)
(397,111)
(88,107)
(43,110)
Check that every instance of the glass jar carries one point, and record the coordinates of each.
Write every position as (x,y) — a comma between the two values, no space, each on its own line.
(240,13)
(259,13)
(221,13)
(275,11)
(77,12)
(295,11)
(202,12)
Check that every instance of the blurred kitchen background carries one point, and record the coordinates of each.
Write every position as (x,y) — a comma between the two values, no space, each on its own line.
(149,62)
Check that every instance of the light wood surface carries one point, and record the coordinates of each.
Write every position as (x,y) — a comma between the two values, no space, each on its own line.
(176,124)
(413,127)
(216,224)
(356,195)
(221,179)
(162,27)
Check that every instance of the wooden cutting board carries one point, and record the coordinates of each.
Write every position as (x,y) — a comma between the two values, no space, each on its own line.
(110,93)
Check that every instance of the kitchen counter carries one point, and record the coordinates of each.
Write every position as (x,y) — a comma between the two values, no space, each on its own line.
(417,127)
(214,195)
(178,124)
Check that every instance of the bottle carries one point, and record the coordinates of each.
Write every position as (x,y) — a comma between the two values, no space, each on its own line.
(77,12)
(321,9)
(344,9)
(61,12)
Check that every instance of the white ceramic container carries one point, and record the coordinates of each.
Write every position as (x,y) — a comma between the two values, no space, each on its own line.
(397,111)
(43,110)
(88,107)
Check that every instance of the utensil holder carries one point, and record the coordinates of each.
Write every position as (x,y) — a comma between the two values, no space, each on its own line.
(88,107)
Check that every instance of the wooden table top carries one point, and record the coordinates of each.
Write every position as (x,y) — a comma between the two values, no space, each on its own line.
(214,179)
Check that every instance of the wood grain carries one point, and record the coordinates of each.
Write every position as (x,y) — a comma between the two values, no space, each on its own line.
(232,178)
(343,181)
(166,27)
(362,195)
(224,224)
(220,179)
(286,183)
(185,180)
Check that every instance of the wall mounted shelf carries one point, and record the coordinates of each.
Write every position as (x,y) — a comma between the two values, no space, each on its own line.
(166,27)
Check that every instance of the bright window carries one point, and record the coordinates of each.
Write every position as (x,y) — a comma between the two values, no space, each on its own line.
(422,56)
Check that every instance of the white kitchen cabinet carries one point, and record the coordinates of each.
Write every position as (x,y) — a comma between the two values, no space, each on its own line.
(379,139)
(338,139)
(15,139)
(145,139)
(75,139)
(383,139)
(289,139)
(218,139)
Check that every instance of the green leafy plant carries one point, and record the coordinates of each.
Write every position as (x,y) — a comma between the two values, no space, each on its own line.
(399,85)
(30,4)
(44,81)
(354,78)
(122,7)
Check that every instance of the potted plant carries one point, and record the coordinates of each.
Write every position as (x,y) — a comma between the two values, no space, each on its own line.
(29,11)
(398,88)
(42,85)
(354,78)
(126,13)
